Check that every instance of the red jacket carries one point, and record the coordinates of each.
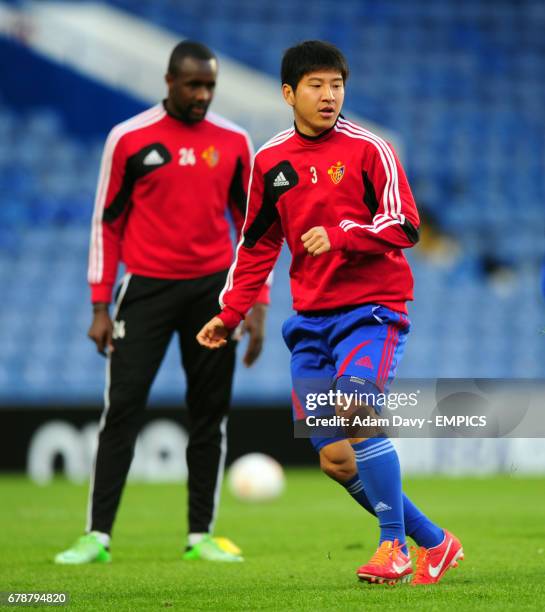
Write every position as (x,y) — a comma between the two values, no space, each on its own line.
(349,181)
(163,193)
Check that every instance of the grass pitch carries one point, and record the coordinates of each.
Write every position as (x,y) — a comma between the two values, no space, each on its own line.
(301,550)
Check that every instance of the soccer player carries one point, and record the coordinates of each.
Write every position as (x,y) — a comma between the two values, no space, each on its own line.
(168,178)
(338,195)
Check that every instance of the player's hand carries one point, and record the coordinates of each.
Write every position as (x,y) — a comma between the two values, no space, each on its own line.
(101,329)
(316,241)
(254,326)
(213,335)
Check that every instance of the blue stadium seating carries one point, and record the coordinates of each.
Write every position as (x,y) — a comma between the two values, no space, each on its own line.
(461,81)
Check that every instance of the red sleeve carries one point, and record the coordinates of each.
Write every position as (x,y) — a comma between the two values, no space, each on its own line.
(238,196)
(256,255)
(388,196)
(108,222)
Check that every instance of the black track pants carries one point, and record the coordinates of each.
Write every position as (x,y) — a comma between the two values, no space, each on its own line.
(147,312)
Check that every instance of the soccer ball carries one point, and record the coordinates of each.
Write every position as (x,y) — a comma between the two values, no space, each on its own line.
(256,477)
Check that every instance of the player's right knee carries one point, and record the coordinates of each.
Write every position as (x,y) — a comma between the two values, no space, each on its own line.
(338,467)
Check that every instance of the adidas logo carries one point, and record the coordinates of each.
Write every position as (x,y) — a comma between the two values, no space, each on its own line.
(365,362)
(381,507)
(281,181)
(153,158)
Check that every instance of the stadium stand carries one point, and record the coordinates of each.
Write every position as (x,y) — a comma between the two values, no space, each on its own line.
(461,81)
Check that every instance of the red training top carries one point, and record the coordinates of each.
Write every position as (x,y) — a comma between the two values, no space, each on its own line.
(162,198)
(351,182)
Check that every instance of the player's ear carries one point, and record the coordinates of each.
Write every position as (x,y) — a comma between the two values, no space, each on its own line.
(169,79)
(288,93)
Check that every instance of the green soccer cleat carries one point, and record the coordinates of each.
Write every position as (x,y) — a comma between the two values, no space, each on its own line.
(88,549)
(208,549)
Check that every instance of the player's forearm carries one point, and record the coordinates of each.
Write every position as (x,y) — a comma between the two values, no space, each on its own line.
(231,317)
(101,307)
(104,260)
(363,240)
(101,293)
(240,299)
(247,282)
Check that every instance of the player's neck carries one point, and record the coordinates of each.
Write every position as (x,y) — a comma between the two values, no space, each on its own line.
(171,112)
(310,135)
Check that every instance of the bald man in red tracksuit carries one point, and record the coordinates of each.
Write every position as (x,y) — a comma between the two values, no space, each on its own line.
(169,179)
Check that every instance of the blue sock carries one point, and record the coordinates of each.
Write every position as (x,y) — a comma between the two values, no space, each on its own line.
(417,525)
(355,488)
(380,475)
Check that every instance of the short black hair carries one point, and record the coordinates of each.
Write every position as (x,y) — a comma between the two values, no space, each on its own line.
(309,56)
(188,48)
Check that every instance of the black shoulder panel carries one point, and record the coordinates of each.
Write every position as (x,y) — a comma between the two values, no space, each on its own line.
(148,159)
(277,181)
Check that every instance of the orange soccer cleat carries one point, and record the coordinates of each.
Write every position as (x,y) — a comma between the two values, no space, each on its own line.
(389,564)
(432,563)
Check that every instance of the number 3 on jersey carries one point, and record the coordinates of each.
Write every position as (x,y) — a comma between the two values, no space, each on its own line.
(187,157)
(314,178)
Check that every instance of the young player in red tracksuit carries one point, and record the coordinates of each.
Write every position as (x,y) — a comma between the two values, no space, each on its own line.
(169,177)
(339,197)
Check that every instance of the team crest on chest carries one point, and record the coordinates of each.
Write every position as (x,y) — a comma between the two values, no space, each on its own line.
(336,172)
(211,156)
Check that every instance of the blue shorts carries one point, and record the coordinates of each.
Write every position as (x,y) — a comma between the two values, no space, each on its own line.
(363,343)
